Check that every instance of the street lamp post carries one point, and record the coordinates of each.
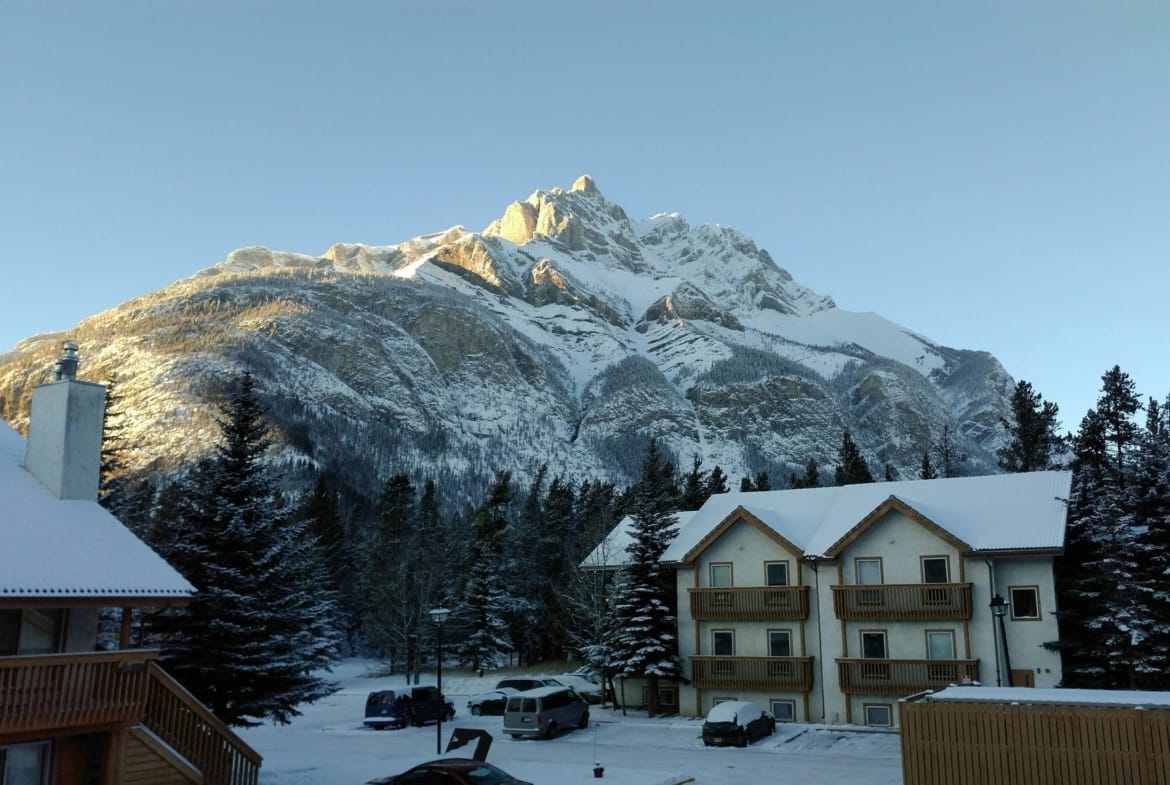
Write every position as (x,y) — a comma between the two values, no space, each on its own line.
(999,608)
(438,616)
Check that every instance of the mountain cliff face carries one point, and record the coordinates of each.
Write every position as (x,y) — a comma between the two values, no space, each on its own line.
(565,334)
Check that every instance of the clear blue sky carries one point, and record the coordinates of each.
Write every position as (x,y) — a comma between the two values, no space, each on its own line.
(993,175)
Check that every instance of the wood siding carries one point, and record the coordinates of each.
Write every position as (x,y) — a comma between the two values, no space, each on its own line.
(903,602)
(962,743)
(764,603)
(147,762)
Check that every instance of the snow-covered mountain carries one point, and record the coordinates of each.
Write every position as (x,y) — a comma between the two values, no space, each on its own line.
(565,334)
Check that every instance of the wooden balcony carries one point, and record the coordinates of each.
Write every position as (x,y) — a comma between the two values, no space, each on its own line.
(66,694)
(757,603)
(901,677)
(75,692)
(785,674)
(903,602)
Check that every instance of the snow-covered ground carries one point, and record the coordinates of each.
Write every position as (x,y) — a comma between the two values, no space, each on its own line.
(328,745)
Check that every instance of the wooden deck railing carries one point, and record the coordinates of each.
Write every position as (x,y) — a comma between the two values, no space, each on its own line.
(180,720)
(901,677)
(903,602)
(789,674)
(90,692)
(77,692)
(757,603)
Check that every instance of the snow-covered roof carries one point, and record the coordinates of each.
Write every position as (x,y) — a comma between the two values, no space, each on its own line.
(69,549)
(1134,698)
(613,550)
(993,513)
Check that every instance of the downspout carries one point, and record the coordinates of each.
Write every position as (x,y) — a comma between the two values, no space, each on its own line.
(820,634)
(991,592)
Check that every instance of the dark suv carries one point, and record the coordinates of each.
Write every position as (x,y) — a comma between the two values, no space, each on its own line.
(411,706)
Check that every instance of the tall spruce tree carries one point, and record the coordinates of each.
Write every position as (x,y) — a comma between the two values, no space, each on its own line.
(260,628)
(482,613)
(647,646)
(926,468)
(811,477)
(851,466)
(1032,432)
(1151,494)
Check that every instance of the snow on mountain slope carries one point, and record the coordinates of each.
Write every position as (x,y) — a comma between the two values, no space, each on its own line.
(564,333)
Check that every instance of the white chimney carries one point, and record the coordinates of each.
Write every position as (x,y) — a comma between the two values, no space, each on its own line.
(65,432)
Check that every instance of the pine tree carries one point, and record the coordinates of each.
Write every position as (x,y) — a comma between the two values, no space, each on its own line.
(694,488)
(249,643)
(926,470)
(646,645)
(811,477)
(950,459)
(1032,432)
(1116,407)
(716,482)
(851,466)
(763,482)
(1151,494)
(482,613)
(391,616)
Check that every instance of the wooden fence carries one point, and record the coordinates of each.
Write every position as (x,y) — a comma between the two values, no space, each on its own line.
(970,743)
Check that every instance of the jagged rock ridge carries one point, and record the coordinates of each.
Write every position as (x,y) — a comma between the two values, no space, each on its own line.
(564,333)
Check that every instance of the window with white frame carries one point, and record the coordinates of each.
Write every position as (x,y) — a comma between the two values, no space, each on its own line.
(24,764)
(783,711)
(1025,602)
(936,569)
(720,575)
(879,715)
(723,643)
(779,643)
(776,573)
(940,645)
(869,571)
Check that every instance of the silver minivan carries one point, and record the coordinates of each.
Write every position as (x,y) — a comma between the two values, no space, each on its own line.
(544,711)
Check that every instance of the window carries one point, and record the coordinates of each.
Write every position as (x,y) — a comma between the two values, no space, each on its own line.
(936,569)
(721,575)
(783,711)
(779,643)
(1025,602)
(776,573)
(873,647)
(879,715)
(869,573)
(666,696)
(940,645)
(723,643)
(24,764)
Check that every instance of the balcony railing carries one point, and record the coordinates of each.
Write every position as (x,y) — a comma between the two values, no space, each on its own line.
(93,692)
(759,603)
(79,692)
(195,733)
(903,602)
(902,677)
(788,674)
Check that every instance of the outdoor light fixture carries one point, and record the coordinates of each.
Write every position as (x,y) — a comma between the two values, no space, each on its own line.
(438,616)
(999,607)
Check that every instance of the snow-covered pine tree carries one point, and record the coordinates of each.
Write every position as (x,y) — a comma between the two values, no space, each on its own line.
(851,466)
(1033,438)
(482,611)
(1151,494)
(252,641)
(647,646)
(391,616)
(926,471)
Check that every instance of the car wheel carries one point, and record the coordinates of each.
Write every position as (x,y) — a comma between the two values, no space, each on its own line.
(477,710)
(583,723)
(743,738)
(551,731)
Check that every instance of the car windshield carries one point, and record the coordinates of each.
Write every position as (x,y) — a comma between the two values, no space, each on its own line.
(487,774)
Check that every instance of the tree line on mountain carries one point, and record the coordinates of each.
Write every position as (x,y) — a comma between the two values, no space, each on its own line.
(286,585)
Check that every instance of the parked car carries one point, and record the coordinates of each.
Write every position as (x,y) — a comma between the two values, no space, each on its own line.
(544,711)
(737,722)
(415,705)
(583,686)
(456,771)
(493,702)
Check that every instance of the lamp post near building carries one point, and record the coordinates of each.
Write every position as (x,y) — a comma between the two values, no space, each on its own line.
(438,616)
(999,608)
